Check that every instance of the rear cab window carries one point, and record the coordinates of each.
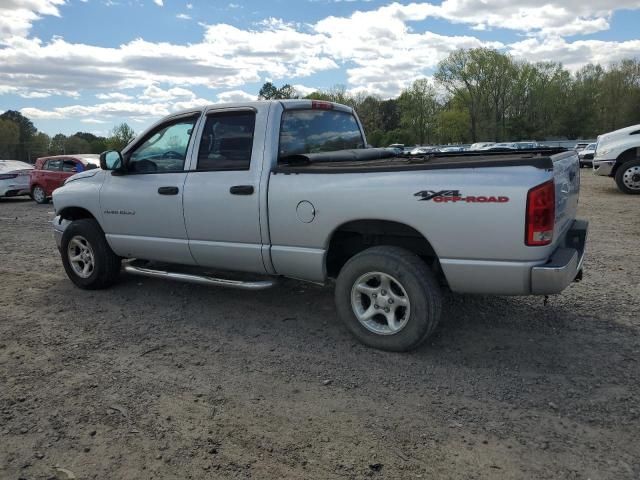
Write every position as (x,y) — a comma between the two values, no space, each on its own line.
(316,131)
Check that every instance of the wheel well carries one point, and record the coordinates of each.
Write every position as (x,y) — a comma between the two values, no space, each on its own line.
(354,237)
(75,213)
(625,156)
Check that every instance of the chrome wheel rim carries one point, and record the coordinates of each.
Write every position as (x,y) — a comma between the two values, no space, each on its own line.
(380,303)
(38,194)
(631,177)
(81,257)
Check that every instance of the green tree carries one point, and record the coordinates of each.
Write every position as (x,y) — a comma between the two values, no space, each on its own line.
(270,92)
(418,109)
(75,144)
(39,145)
(27,131)
(9,138)
(120,137)
(58,144)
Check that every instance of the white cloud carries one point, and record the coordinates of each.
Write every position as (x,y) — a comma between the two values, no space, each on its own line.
(183,16)
(236,96)
(17,16)
(575,54)
(189,6)
(160,3)
(152,92)
(113,96)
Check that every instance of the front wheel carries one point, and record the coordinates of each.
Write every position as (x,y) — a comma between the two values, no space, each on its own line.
(39,195)
(388,298)
(628,177)
(87,258)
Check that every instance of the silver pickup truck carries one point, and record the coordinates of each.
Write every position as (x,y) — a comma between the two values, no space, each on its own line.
(288,188)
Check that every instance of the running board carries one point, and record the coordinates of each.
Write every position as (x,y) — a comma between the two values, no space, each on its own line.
(199,279)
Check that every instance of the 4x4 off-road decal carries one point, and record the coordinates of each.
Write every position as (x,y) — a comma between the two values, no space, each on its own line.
(453,196)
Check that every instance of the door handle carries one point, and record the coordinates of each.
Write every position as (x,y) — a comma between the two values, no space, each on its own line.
(241,190)
(168,190)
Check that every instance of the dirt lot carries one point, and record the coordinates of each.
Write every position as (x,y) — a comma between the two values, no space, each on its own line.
(155,379)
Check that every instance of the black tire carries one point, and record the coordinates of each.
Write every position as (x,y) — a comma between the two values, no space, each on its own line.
(106,264)
(38,195)
(417,280)
(622,171)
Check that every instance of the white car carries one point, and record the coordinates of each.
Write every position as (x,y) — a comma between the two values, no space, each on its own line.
(481,145)
(586,155)
(617,155)
(422,150)
(14,178)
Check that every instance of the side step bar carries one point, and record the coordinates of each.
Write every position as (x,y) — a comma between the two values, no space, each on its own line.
(199,279)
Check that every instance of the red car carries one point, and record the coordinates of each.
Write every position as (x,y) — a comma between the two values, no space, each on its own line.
(51,172)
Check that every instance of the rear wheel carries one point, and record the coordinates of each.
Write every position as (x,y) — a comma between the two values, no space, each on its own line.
(39,195)
(87,258)
(388,298)
(628,177)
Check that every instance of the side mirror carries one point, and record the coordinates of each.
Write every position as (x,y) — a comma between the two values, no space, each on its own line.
(111,160)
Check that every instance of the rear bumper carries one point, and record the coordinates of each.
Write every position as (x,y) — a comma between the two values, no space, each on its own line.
(565,264)
(492,277)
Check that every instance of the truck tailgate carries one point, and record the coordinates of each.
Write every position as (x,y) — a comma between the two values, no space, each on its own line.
(566,173)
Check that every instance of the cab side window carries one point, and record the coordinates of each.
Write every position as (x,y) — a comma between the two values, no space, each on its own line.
(69,166)
(227,141)
(164,149)
(54,164)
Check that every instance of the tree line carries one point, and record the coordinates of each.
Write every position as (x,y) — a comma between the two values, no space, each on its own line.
(486,95)
(21,140)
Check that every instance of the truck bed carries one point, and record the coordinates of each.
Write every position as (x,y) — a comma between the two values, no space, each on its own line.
(376,159)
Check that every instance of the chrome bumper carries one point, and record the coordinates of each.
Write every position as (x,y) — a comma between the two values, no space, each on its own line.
(565,264)
(603,167)
(59,226)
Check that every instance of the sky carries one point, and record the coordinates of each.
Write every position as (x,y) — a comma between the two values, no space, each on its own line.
(87,65)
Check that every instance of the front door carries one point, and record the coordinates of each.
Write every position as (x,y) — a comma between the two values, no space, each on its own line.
(221,193)
(142,208)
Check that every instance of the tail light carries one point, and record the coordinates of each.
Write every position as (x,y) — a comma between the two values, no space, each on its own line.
(7,176)
(541,214)
(320,105)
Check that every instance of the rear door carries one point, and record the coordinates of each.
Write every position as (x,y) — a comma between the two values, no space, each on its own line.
(51,175)
(142,208)
(221,193)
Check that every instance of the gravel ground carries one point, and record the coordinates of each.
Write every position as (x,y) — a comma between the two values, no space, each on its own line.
(154,379)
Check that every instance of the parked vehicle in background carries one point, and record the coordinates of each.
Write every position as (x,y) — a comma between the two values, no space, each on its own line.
(423,150)
(448,149)
(14,178)
(586,155)
(396,150)
(501,147)
(617,155)
(527,145)
(481,145)
(51,173)
(580,146)
(287,188)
